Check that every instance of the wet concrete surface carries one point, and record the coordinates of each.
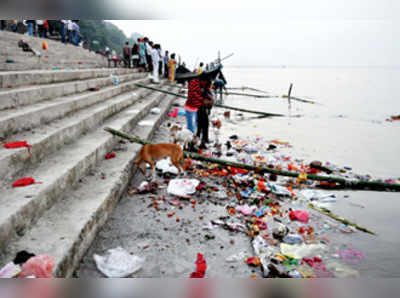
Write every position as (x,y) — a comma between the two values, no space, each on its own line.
(170,244)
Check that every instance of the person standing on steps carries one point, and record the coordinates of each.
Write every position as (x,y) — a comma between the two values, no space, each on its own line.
(3,24)
(142,54)
(194,101)
(166,60)
(148,47)
(155,58)
(203,122)
(200,69)
(31,26)
(70,31)
(41,30)
(135,54)
(172,67)
(127,55)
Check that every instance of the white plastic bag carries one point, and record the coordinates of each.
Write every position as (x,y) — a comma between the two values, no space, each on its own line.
(118,263)
(300,251)
(166,166)
(182,187)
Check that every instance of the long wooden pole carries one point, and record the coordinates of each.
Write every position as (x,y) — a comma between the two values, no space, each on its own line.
(340,219)
(216,105)
(249,95)
(289,94)
(359,184)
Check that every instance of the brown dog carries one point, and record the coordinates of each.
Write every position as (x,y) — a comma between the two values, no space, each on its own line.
(152,153)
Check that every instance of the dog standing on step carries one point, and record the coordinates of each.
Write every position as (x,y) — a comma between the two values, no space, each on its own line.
(150,154)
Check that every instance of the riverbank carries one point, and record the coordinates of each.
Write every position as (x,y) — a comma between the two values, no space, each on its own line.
(169,232)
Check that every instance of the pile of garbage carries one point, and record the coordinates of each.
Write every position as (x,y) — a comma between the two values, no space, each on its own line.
(27,265)
(289,239)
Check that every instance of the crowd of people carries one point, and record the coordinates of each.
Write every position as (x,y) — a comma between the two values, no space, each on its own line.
(149,56)
(68,30)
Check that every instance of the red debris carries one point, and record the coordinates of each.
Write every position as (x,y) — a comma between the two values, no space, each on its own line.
(201,267)
(111,155)
(25,182)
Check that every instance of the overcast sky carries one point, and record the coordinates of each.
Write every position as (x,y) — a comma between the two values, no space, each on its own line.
(273,32)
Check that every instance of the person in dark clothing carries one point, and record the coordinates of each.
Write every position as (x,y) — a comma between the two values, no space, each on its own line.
(203,122)
(3,24)
(127,55)
(220,83)
(148,49)
(135,55)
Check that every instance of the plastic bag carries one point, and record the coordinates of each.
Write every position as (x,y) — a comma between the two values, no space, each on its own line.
(155,111)
(245,209)
(278,190)
(299,215)
(166,166)
(118,263)
(10,270)
(312,194)
(182,187)
(38,267)
(302,251)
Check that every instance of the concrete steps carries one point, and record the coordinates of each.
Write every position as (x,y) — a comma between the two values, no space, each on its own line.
(60,171)
(66,230)
(27,78)
(18,119)
(33,94)
(59,54)
(63,122)
(49,138)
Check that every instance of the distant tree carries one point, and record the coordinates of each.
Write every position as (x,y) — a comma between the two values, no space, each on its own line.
(104,33)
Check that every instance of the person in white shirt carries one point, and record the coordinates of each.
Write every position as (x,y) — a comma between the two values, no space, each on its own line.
(155,57)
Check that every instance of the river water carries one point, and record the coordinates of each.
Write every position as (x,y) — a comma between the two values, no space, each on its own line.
(346,128)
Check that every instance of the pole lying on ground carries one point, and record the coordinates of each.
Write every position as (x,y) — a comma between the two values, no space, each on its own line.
(216,105)
(247,88)
(340,219)
(359,184)
(249,95)
(299,99)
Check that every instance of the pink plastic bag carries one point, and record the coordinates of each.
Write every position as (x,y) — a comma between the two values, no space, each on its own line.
(299,215)
(39,267)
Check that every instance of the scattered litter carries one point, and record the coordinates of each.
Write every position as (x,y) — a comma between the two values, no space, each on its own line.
(301,251)
(25,182)
(165,166)
(146,123)
(115,80)
(155,111)
(182,187)
(299,215)
(38,267)
(111,155)
(10,271)
(15,145)
(201,267)
(118,263)
(236,257)
(145,187)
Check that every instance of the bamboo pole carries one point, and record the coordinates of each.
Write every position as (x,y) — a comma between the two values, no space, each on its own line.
(216,105)
(289,94)
(360,184)
(249,95)
(340,219)
(299,99)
